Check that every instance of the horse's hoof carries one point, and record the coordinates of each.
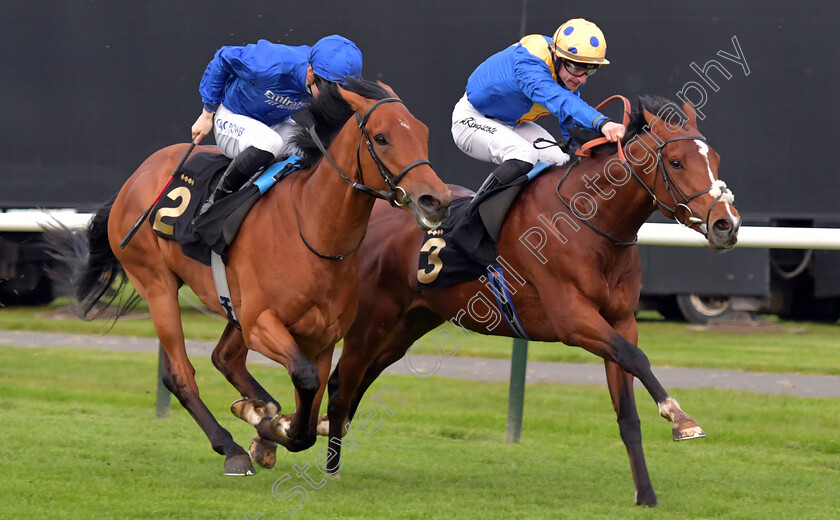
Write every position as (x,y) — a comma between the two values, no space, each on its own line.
(280,426)
(248,410)
(239,466)
(264,452)
(264,409)
(688,430)
(323,427)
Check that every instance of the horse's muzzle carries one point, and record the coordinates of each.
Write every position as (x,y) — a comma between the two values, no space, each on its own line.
(723,233)
(430,211)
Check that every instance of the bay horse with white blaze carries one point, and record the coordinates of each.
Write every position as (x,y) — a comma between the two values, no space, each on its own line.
(292,271)
(573,283)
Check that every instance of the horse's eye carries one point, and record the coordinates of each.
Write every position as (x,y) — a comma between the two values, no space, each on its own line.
(380,139)
(675,164)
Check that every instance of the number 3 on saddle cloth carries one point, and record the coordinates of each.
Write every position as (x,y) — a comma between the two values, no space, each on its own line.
(462,249)
(175,216)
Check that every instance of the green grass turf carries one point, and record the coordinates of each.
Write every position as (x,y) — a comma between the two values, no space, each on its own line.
(58,317)
(792,347)
(80,440)
(806,348)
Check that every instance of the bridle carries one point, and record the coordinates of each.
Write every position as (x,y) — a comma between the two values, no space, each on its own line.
(391,180)
(678,198)
(674,190)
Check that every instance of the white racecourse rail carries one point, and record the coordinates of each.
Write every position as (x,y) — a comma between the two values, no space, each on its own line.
(38,219)
(650,233)
(748,236)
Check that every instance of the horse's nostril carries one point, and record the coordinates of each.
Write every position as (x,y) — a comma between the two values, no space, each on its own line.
(427,201)
(724,227)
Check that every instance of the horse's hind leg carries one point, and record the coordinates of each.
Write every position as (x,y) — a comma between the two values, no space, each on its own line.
(318,422)
(229,357)
(179,374)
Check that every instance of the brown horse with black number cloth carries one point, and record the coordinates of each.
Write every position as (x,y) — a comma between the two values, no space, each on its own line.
(570,263)
(292,271)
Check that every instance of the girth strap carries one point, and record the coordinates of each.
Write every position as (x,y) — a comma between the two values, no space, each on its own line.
(504,300)
(222,288)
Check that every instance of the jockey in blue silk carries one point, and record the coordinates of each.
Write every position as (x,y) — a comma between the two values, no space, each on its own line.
(249,93)
(539,75)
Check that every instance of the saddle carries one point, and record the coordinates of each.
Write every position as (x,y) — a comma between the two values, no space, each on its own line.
(465,245)
(176,215)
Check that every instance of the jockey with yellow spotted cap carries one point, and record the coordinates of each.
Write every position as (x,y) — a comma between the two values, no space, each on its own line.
(537,76)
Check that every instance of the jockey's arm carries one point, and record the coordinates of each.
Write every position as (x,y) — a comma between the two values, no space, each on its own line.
(202,126)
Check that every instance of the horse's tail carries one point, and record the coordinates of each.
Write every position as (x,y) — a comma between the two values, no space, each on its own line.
(86,269)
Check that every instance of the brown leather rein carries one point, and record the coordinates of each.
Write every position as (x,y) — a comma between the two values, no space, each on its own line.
(586,151)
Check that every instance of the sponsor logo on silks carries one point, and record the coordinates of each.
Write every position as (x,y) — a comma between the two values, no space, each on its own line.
(283,101)
(470,122)
(227,127)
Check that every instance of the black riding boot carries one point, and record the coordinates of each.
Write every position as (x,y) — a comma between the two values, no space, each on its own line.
(241,168)
(504,174)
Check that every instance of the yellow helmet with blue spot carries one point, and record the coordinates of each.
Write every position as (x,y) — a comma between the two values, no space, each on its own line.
(580,41)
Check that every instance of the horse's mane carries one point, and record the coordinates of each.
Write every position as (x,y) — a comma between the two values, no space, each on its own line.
(329,112)
(636,126)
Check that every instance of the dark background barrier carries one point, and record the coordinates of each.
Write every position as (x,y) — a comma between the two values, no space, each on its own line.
(90,89)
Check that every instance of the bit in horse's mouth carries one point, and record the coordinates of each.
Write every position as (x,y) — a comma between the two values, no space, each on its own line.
(427,225)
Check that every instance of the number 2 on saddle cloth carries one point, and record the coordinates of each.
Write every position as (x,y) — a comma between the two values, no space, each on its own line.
(175,216)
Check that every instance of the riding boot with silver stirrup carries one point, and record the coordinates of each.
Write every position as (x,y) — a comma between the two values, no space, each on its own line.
(240,170)
(504,174)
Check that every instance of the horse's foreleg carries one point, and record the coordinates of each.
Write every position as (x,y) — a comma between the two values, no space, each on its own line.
(624,402)
(179,378)
(633,360)
(229,358)
(620,384)
(368,351)
(343,385)
(588,329)
(269,337)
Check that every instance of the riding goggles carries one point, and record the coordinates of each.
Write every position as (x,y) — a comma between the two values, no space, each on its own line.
(579,69)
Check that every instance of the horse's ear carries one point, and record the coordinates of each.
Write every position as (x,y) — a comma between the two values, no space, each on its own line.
(690,113)
(388,88)
(357,103)
(651,119)
(670,118)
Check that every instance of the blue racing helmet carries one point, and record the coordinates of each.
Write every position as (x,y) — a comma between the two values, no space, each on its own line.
(335,57)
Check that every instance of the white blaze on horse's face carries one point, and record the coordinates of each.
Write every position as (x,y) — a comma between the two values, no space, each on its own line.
(704,151)
(719,189)
(719,192)
(403,123)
